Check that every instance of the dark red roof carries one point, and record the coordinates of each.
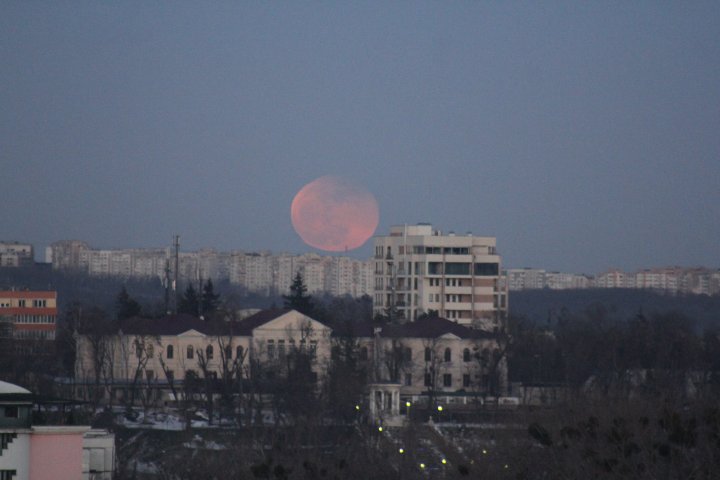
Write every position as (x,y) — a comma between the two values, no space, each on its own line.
(429,327)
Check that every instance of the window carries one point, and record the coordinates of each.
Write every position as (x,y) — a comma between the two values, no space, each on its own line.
(21,303)
(428,354)
(428,380)
(190,352)
(448,355)
(281,348)
(466,355)
(363,353)
(447,380)
(209,352)
(271,349)
(170,352)
(466,380)
(139,349)
(11,411)
(228,352)
(7,474)
(407,354)
(486,269)
(170,375)
(239,352)
(457,268)
(39,303)
(408,379)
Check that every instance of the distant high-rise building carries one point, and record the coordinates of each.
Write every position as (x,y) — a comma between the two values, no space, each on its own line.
(14,254)
(419,270)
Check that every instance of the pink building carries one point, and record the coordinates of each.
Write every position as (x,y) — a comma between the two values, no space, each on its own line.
(30,452)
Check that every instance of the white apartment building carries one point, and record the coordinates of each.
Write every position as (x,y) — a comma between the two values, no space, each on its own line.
(262,272)
(14,254)
(418,269)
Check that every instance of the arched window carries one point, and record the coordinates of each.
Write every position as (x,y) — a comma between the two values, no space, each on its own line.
(485,359)
(466,355)
(239,352)
(448,354)
(209,352)
(363,353)
(228,352)
(190,352)
(170,352)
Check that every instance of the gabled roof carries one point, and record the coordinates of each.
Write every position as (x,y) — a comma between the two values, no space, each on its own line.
(261,318)
(429,327)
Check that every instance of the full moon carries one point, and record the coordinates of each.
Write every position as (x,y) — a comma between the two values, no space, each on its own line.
(334,214)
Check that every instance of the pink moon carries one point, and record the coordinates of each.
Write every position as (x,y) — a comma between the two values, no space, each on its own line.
(334,214)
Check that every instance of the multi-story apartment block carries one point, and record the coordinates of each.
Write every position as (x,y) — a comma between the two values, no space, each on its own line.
(14,254)
(33,315)
(418,270)
(262,272)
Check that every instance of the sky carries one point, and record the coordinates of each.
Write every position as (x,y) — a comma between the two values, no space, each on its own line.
(583,135)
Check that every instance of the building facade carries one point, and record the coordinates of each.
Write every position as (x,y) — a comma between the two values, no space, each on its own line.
(418,270)
(42,452)
(14,254)
(432,356)
(29,314)
(259,272)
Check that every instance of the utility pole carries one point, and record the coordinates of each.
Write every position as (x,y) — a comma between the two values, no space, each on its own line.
(167,286)
(176,244)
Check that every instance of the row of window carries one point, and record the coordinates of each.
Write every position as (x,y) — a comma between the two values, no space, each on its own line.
(447,380)
(209,352)
(282,347)
(34,318)
(34,334)
(22,303)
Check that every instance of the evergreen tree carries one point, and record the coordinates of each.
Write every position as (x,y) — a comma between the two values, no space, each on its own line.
(210,299)
(299,299)
(190,302)
(125,305)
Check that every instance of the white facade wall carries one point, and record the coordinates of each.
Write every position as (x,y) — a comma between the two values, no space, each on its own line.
(17,455)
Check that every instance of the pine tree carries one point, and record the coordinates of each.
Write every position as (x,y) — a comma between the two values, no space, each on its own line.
(299,299)
(189,303)
(126,306)
(210,299)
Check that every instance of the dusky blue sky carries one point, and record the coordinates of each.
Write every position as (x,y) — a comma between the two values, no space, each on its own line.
(583,135)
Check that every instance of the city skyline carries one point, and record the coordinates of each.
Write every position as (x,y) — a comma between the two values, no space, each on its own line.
(582,137)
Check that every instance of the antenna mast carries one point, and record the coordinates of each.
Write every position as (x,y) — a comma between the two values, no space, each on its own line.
(176,244)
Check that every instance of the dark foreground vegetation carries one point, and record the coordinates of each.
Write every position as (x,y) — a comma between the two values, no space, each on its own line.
(627,386)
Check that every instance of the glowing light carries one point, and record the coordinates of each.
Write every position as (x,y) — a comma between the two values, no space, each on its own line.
(484,452)
(357,407)
(407,404)
(402,450)
(439,408)
(379,429)
(506,465)
(334,214)
(422,465)
(444,462)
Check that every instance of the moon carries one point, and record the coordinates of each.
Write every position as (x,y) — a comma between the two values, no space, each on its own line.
(334,214)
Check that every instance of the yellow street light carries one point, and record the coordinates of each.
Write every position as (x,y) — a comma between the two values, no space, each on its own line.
(422,465)
(402,450)
(444,461)
(379,429)
(357,407)
(439,408)
(407,404)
